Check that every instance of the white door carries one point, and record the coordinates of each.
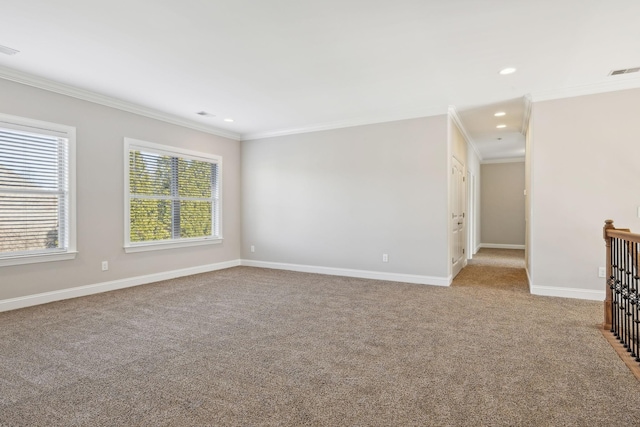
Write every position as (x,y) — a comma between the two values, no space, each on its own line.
(470,214)
(458,235)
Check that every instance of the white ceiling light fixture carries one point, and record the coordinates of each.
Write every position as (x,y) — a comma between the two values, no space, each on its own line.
(228,120)
(501,126)
(508,70)
(500,114)
(8,51)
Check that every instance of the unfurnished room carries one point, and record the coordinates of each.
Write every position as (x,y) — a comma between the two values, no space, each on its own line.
(319,213)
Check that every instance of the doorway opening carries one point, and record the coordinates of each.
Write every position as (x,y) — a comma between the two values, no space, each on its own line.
(496,269)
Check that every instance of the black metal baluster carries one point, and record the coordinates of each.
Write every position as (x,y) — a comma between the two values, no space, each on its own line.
(629,303)
(621,290)
(631,248)
(625,294)
(615,325)
(636,308)
(632,299)
(612,285)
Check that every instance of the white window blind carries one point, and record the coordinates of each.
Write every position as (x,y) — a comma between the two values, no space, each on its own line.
(34,193)
(172,196)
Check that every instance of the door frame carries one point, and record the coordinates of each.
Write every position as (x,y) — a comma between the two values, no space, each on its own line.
(460,216)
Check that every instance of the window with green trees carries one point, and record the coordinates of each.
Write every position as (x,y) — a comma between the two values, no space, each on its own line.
(173,194)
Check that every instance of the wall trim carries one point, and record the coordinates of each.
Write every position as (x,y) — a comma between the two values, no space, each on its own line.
(496,161)
(362,121)
(63,89)
(347,272)
(576,293)
(81,291)
(500,246)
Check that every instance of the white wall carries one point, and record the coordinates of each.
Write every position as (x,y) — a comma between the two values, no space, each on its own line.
(585,168)
(342,198)
(100,194)
(503,204)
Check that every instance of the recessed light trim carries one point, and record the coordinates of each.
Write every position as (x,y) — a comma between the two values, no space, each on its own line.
(508,70)
(501,126)
(228,120)
(500,114)
(8,51)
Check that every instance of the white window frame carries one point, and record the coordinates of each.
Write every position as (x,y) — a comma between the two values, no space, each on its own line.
(61,131)
(129,246)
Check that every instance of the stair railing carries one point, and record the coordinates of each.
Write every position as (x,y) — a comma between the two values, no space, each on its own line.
(622,301)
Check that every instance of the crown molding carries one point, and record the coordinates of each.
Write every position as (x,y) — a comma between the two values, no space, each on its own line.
(63,89)
(508,160)
(453,113)
(361,121)
(590,89)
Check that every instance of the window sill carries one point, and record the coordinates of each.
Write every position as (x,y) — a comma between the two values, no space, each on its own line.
(145,247)
(32,259)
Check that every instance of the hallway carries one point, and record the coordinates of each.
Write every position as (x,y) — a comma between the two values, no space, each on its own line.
(495,268)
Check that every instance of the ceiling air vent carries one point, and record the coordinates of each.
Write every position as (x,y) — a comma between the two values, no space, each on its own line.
(8,51)
(205,114)
(624,71)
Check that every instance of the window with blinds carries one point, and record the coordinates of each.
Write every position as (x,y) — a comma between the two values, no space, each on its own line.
(173,195)
(35,190)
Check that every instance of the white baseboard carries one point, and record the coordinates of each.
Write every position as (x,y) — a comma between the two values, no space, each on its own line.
(363,274)
(500,246)
(80,291)
(552,291)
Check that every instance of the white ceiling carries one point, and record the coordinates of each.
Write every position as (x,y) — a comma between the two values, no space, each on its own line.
(281,66)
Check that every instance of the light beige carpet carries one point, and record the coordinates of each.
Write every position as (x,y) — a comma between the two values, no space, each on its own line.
(495,268)
(254,347)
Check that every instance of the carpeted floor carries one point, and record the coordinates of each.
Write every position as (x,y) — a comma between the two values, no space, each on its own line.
(253,347)
(495,268)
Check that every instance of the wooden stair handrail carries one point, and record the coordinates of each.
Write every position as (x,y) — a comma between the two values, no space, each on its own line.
(623,233)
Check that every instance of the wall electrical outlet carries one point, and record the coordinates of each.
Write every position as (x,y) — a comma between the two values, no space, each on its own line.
(105,265)
(385,257)
(253,248)
(602,272)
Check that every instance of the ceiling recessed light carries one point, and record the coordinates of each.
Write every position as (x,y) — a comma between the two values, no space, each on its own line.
(8,51)
(205,114)
(228,120)
(501,126)
(500,114)
(508,70)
